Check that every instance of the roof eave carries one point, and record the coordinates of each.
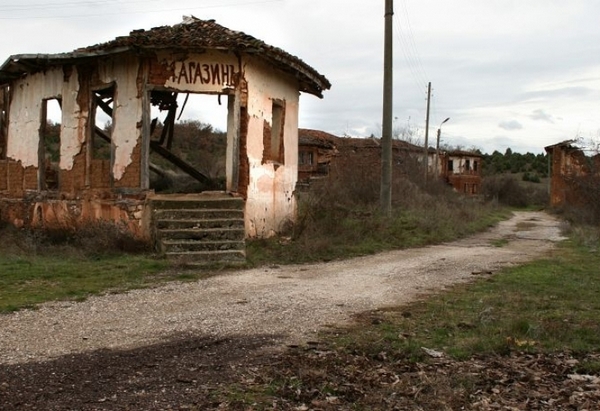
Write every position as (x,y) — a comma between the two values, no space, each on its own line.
(18,65)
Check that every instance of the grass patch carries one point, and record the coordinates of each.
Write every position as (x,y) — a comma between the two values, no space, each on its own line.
(28,281)
(550,305)
(37,266)
(330,233)
(500,242)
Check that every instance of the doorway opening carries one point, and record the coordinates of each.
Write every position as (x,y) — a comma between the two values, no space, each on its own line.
(101,148)
(188,141)
(49,145)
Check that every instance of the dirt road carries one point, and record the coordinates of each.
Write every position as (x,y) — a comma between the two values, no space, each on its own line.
(282,304)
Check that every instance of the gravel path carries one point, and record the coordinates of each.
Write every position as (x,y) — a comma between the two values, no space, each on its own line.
(290,303)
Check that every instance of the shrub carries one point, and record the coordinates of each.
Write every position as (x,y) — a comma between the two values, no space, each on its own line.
(90,239)
(583,202)
(533,178)
(506,190)
(338,216)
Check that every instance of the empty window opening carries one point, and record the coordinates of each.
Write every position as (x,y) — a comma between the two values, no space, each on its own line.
(188,141)
(103,106)
(49,146)
(467,165)
(450,165)
(306,158)
(273,134)
(475,165)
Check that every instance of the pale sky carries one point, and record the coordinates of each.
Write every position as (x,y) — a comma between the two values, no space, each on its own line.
(522,74)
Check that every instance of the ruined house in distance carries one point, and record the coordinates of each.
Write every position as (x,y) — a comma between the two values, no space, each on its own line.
(320,152)
(574,175)
(128,79)
(462,170)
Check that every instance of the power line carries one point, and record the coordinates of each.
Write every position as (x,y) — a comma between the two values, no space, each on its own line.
(409,49)
(49,6)
(412,42)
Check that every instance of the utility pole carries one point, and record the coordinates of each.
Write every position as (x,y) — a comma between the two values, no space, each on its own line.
(426,148)
(386,136)
(437,148)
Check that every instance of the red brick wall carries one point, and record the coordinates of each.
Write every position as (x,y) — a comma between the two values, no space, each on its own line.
(30,178)
(72,181)
(15,178)
(3,175)
(100,174)
(244,167)
(132,176)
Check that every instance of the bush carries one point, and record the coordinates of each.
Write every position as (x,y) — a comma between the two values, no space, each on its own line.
(508,191)
(583,200)
(90,239)
(338,217)
(533,178)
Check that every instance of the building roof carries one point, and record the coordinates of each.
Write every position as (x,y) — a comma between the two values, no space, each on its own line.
(567,144)
(462,153)
(191,34)
(326,140)
(317,138)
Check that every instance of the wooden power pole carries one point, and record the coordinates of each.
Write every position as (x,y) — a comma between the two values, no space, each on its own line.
(426,148)
(386,136)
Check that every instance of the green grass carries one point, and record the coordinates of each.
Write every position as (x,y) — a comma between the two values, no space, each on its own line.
(26,281)
(550,305)
(500,242)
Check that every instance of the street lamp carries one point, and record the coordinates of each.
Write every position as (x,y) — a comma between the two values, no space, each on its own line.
(437,147)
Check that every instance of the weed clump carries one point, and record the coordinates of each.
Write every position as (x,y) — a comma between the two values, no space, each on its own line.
(89,239)
(507,190)
(339,216)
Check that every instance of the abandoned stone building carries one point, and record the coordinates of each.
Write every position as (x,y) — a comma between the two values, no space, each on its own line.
(321,153)
(462,170)
(89,172)
(573,174)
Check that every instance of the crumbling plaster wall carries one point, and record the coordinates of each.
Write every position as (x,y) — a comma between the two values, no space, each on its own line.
(75,202)
(26,112)
(270,193)
(270,199)
(127,117)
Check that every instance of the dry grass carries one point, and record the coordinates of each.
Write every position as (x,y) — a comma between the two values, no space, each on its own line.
(339,217)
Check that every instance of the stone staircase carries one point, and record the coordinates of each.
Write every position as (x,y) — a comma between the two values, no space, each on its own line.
(200,229)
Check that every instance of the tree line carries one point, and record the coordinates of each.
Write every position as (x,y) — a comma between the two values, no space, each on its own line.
(533,166)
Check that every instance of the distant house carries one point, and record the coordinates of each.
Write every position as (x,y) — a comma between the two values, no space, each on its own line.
(315,152)
(462,170)
(321,153)
(128,80)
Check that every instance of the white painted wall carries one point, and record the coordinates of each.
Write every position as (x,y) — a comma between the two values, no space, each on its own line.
(127,108)
(270,199)
(25,114)
(26,110)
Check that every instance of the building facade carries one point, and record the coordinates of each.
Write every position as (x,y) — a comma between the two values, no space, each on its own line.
(66,179)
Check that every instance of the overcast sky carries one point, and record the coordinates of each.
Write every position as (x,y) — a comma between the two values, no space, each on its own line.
(522,74)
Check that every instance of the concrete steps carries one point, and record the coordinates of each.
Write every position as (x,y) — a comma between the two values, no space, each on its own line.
(200,229)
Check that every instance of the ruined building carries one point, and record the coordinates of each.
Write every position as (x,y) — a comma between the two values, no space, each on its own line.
(87,172)
(574,176)
(321,152)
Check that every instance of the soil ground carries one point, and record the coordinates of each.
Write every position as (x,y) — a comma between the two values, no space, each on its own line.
(107,353)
